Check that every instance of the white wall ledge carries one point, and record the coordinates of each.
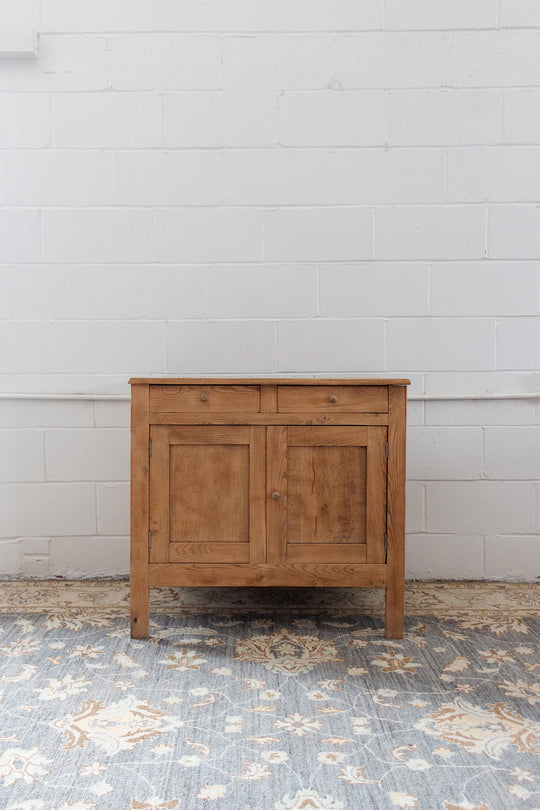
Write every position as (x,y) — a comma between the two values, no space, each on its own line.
(18,43)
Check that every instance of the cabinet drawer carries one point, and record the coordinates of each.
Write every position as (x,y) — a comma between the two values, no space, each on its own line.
(204,398)
(341,398)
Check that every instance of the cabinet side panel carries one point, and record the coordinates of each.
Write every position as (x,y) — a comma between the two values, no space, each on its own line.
(139,593)
(395,589)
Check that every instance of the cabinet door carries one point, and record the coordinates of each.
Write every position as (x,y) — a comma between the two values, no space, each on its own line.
(207,494)
(326,494)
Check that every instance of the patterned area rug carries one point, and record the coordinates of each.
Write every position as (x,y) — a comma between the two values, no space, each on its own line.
(275,699)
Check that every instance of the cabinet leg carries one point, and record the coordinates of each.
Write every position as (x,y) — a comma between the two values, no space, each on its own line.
(140,612)
(394,610)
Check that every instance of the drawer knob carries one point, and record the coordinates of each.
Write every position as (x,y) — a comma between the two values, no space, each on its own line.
(276,496)
(204,397)
(333,398)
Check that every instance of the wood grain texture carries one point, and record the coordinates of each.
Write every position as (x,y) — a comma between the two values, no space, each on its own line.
(326,553)
(268,381)
(205,398)
(326,494)
(269,398)
(257,494)
(159,493)
(201,434)
(332,398)
(395,588)
(376,494)
(139,593)
(276,509)
(209,493)
(234,575)
(329,436)
(170,418)
(209,552)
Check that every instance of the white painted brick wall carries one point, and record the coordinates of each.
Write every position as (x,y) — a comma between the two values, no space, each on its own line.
(114,292)
(494,174)
(65,63)
(23,454)
(318,234)
(24,120)
(229,187)
(514,231)
(384,289)
(171,62)
(87,455)
(512,452)
(437,232)
(39,510)
(447,453)
(500,58)
(440,343)
(220,347)
(445,117)
(278,177)
(324,15)
(275,291)
(438,14)
(57,177)
(391,59)
(20,235)
(484,282)
(77,16)
(327,345)
(162,178)
(480,507)
(97,235)
(107,120)
(284,62)
(330,118)
(226,119)
(517,13)
(521,117)
(386,176)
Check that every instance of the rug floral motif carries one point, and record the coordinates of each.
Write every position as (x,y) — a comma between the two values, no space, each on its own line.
(282,710)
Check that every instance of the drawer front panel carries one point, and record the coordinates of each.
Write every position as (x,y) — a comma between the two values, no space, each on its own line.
(205,398)
(333,398)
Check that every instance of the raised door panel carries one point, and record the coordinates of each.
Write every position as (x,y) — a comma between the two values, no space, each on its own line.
(327,494)
(206,493)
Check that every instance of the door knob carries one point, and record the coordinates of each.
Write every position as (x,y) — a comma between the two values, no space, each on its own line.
(204,397)
(276,496)
(333,398)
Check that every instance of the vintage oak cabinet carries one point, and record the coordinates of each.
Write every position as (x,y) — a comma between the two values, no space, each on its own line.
(280,482)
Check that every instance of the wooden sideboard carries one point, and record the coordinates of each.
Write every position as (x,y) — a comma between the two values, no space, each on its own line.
(268,482)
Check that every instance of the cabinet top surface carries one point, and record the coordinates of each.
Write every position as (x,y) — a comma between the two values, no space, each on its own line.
(267,381)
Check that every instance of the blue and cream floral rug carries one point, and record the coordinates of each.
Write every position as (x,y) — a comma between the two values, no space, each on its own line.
(282,699)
